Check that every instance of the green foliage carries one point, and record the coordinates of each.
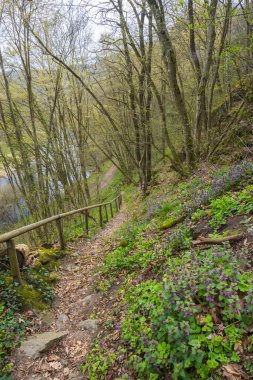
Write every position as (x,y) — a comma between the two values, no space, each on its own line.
(12,329)
(222,208)
(97,363)
(36,294)
(168,326)
(12,326)
(40,280)
(189,188)
(122,259)
(199,214)
(180,239)
(246,200)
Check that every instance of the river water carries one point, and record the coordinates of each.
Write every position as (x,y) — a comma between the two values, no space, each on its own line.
(9,210)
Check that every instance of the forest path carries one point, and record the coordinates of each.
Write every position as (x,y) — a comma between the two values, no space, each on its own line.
(107,178)
(75,302)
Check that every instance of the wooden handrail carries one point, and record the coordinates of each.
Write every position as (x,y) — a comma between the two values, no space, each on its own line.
(22,230)
(8,236)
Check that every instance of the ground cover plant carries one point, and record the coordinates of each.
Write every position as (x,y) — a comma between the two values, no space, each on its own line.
(12,325)
(188,323)
(188,312)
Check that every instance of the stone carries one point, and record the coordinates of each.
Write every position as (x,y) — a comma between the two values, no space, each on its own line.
(61,321)
(47,317)
(89,324)
(37,344)
(86,301)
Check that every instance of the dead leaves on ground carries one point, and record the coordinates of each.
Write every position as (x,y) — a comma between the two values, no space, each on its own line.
(233,372)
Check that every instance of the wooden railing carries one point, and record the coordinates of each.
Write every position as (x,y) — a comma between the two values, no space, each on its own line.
(9,236)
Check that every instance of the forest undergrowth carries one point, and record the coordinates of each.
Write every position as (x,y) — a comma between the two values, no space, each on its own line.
(184,307)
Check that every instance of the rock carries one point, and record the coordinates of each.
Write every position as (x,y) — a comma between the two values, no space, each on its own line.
(201,229)
(47,318)
(61,321)
(36,345)
(89,324)
(86,301)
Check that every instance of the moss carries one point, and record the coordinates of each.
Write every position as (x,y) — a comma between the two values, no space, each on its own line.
(48,258)
(225,233)
(123,243)
(171,222)
(30,298)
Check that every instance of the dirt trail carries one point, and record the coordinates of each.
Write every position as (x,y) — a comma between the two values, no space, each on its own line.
(108,177)
(75,302)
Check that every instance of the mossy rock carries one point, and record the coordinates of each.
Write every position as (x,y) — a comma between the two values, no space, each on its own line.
(44,258)
(48,255)
(171,222)
(123,243)
(30,298)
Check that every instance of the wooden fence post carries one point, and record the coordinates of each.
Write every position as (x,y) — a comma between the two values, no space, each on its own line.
(13,261)
(111,209)
(100,216)
(116,204)
(87,221)
(106,213)
(61,236)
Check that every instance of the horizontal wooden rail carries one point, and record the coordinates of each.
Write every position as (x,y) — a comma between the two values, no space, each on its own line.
(9,236)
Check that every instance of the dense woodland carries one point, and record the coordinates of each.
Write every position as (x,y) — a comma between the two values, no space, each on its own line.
(162,91)
(154,87)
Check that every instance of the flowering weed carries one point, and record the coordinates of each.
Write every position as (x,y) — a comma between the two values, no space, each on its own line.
(187,324)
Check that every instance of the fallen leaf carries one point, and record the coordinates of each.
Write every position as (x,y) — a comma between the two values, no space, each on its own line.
(55,365)
(52,358)
(233,372)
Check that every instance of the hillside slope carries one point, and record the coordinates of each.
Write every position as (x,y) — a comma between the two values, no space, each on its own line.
(183,309)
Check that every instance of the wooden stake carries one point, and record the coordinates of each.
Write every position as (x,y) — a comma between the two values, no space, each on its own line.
(111,210)
(116,204)
(106,213)
(61,236)
(101,216)
(11,249)
(87,221)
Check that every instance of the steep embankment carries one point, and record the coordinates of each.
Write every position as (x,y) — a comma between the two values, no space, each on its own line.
(183,271)
(150,298)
